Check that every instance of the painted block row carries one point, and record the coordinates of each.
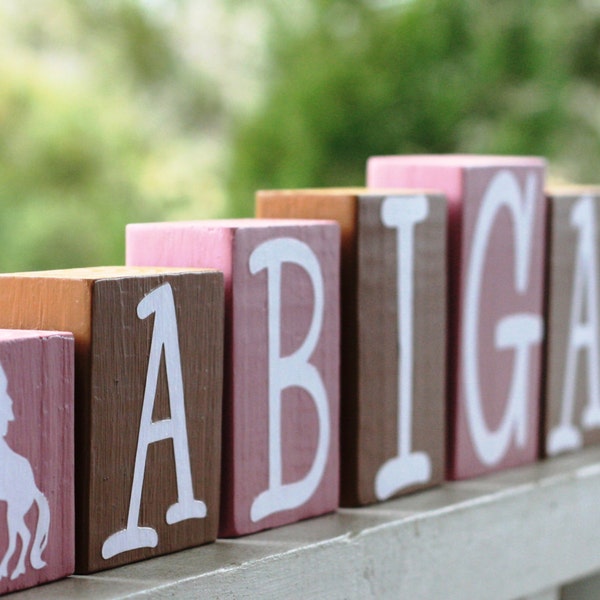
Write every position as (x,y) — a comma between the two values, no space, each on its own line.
(148,375)
(149,357)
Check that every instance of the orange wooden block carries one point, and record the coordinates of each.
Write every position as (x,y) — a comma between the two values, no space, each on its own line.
(393,333)
(148,365)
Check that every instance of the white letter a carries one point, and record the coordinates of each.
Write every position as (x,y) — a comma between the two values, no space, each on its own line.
(164,336)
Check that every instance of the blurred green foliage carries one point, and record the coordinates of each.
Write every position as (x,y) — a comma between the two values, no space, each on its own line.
(97,105)
(354,78)
(109,115)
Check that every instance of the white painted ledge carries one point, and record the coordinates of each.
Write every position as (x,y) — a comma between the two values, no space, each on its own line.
(522,533)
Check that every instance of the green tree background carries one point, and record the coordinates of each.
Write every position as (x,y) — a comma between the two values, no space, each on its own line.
(103,121)
(355,78)
(133,110)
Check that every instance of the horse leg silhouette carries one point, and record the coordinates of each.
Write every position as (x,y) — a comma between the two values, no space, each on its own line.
(19,501)
(41,532)
(16,528)
(16,515)
(12,544)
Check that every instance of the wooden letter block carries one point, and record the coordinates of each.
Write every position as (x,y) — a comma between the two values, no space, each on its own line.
(280,435)
(496,262)
(572,390)
(37,513)
(393,334)
(148,365)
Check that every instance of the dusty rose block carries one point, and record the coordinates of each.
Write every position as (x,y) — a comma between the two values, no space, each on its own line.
(496,263)
(281,405)
(37,533)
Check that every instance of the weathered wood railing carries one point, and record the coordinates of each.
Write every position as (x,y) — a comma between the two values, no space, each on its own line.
(523,533)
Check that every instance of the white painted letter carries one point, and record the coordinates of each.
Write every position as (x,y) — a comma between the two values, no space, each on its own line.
(406,468)
(294,370)
(583,336)
(164,336)
(520,331)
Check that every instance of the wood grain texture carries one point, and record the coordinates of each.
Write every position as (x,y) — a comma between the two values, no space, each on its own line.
(36,458)
(370,326)
(113,344)
(496,265)
(572,382)
(253,253)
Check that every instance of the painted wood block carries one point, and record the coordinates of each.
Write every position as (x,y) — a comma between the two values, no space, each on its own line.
(148,381)
(572,382)
(281,403)
(496,327)
(37,514)
(392,410)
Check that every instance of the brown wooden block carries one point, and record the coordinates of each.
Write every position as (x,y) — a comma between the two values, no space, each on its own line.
(572,382)
(496,327)
(280,434)
(37,514)
(393,333)
(148,360)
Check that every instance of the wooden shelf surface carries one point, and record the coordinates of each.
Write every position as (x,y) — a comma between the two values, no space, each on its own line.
(511,535)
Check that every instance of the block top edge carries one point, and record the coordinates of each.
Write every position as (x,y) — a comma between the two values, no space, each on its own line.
(22,334)
(231,224)
(107,272)
(572,190)
(460,160)
(350,191)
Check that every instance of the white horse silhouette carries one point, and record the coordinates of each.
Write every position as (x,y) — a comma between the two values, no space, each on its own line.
(19,491)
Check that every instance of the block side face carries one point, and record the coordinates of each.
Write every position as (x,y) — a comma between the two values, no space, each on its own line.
(390,172)
(187,244)
(36,453)
(47,304)
(248,429)
(156,387)
(401,357)
(571,367)
(310,205)
(501,287)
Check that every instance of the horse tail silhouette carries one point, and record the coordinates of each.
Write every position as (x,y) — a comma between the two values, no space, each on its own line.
(41,533)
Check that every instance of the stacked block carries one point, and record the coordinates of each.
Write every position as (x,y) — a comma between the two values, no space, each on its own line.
(281,406)
(393,333)
(148,360)
(496,266)
(37,531)
(572,383)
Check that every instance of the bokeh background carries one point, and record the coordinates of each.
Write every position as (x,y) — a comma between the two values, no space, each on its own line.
(117,111)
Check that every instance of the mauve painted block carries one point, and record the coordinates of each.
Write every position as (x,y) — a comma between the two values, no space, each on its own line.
(281,406)
(572,383)
(37,507)
(496,278)
(148,384)
(393,333)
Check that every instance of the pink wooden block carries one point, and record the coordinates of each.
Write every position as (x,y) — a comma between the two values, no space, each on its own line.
(37,532)
(496,261)
(280,430)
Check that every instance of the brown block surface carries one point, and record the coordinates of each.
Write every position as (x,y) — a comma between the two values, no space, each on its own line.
(393,305)
(37,513)
(572,382)
(148,359)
